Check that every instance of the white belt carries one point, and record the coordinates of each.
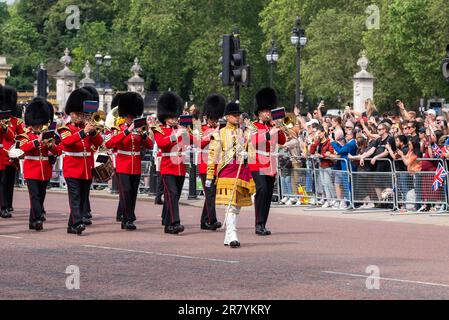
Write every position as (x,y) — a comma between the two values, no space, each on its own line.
(263,153)
(174,154)
(78,154)
(1,146)
(128,153)
(36,158)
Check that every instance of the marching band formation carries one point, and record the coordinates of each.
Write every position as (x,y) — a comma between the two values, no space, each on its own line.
(237,158)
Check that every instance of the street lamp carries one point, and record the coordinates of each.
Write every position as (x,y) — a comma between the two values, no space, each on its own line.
(272,57)
(107,60)
(298,40)
(99,62)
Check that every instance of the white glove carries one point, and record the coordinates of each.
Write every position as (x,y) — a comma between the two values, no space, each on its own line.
(244,154)
(208,183)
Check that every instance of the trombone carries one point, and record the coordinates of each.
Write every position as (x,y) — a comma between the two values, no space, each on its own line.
(285,125)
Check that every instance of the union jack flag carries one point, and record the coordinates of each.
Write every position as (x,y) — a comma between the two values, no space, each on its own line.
(439,152)
(438,180)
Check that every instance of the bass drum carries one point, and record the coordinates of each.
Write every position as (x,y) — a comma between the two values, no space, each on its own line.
(103,170)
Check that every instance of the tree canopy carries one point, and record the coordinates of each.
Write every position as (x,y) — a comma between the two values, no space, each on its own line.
(177,42)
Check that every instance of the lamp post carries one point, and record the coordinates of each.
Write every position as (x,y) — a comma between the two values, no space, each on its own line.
(98,62)
(107,60)
(272,57)
(192,171)
(298,40)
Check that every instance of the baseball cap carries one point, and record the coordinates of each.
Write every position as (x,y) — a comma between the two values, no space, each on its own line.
(312,122)
(431,112)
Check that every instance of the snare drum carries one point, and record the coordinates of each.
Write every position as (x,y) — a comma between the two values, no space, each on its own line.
(103,172)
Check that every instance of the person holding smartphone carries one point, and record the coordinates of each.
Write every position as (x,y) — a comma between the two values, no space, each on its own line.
(37,146)
(129,143)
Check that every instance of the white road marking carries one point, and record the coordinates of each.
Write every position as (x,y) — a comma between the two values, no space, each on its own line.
(11,237)
(387,279)
(162,254)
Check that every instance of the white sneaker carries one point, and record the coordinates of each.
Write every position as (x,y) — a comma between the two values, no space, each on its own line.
(284,200)
(293,200)
(311,201)
(336,205)
(326,205)
(320,202)
(332,203)
(288,203)
(369,206)
(343,205)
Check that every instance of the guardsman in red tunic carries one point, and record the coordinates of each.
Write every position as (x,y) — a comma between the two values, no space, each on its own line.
(213,110)
(173,142)
(129,143)
(15,127)
(6,95)
(36,166)
(77,139)
(262,156)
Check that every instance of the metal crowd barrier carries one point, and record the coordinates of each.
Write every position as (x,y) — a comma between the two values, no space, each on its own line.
(311,185)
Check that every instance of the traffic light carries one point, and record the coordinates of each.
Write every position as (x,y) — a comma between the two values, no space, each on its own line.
(42,82)
(445,65)
(235,71)
(228,48)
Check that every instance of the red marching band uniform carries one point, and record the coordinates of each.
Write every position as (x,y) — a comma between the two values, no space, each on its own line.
(15,127)
(214,106)
(78,162)
(128,145)
(37,169)
(173,151)
(263,158)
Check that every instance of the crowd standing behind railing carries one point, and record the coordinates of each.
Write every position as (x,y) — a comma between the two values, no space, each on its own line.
(355,160)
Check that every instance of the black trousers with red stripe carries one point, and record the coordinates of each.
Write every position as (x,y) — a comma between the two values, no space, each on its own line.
(128,187)
(209,214)
(78,191)
(172,193)
(264,193)
(7,186)
(37,190)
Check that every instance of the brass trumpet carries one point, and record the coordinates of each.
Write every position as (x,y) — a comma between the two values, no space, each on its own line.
(4,122)
(97,119)
(285,125)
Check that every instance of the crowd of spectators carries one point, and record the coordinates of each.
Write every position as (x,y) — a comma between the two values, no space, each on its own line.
(409,142)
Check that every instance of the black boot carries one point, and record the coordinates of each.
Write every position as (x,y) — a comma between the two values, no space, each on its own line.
(76,230)
(130,226)
(5,214)
(37,225)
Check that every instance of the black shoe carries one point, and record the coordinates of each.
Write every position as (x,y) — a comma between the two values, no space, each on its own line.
(76,230)
(5,214)
(171,230)
(10,209)
(158,201)
(119,218)
(128,226)
(179,228)
(261,231)
(234,244)
(89,215)
(214,226)
(87,222)
(37,225)
(43,218)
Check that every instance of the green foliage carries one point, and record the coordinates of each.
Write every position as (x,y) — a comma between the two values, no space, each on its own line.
(177,44)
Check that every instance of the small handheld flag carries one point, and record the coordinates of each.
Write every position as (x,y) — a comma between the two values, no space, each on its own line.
(438,179)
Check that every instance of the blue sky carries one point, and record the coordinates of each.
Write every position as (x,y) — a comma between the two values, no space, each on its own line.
(7,1)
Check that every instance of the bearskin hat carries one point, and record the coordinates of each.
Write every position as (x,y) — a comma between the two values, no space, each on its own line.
(50,106)
(130,103)
(214,106)
(75,103)
(169,106)
(37,112)
(266,99)
(115,100)
(8,99)
(93,92)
